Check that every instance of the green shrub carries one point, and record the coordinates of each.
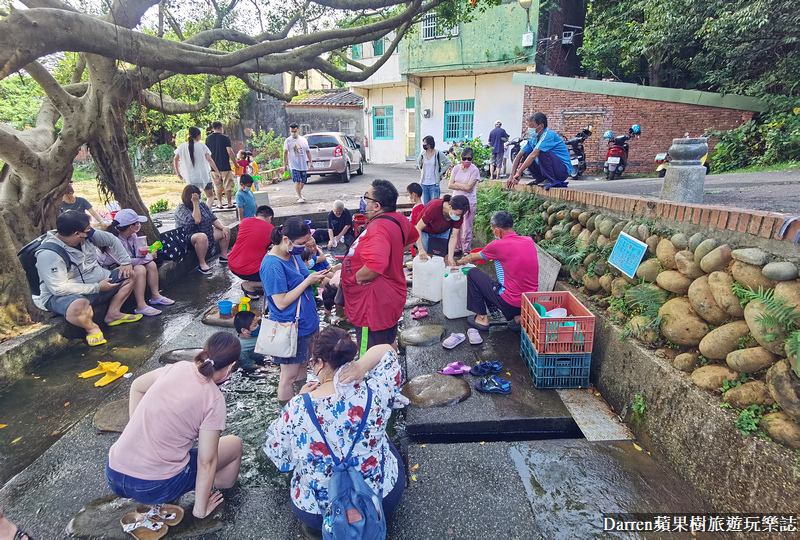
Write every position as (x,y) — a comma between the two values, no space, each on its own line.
(775,140)
(161,205)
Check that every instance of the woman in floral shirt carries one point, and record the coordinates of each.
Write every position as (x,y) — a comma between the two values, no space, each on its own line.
(293,443)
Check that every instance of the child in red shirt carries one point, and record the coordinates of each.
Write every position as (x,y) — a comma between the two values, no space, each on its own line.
(414,191)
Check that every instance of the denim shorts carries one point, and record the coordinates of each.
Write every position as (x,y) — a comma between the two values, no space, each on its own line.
(299,177)
(60,304)
(302,351)
(154,491)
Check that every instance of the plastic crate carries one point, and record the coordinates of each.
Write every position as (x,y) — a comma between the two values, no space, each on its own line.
(551,335)
(556,370)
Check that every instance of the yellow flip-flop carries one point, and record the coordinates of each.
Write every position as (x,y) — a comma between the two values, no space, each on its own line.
(100,340)
(112,375)
(125,319)
(101,368)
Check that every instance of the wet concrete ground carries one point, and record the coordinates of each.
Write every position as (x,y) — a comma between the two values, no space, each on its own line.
(535,489)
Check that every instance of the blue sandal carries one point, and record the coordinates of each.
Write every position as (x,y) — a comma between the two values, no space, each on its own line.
(493,385)
(485,368)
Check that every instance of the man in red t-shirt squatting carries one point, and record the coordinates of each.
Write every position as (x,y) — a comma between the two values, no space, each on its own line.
(373,281)
(252,243)
(517,266)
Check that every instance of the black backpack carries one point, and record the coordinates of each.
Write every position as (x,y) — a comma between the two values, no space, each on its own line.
(27,256)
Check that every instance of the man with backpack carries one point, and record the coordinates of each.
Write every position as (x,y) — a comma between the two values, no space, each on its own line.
(71,281)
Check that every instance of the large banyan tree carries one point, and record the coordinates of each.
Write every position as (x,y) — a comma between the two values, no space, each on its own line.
(126,49)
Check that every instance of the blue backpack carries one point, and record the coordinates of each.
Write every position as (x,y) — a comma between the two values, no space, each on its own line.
(354,510)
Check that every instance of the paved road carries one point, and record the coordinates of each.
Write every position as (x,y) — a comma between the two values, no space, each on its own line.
(326,190)
(776,191)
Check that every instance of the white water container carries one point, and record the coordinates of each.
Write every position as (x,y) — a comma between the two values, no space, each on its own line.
(454,294)
(427,281)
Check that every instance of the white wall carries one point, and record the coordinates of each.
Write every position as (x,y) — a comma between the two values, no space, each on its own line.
(388,73)
(387,151)
(496,98)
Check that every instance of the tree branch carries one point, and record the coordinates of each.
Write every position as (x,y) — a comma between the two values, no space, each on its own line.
(15,152)
(258,86)
(62,101)
(173,23)
(167,105)
(128,13)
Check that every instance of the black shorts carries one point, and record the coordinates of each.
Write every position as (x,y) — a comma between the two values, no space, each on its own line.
(248,277)
(376,337)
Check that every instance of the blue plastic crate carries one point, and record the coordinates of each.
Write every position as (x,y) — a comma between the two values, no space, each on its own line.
(555,370)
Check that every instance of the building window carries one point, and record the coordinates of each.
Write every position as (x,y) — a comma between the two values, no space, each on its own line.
(304,129)
(458,119)
(377,47)
(356,55)
(383,123)
(431,29)
(410,103)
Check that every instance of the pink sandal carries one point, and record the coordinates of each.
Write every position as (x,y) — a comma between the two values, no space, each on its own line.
(455,368)
(420,314)
(454,340)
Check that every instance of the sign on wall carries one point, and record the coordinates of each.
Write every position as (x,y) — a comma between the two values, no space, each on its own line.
(627,254)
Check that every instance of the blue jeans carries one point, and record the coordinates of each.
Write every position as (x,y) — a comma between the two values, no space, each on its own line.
(302,351)
(430,192)
(390,501)
(425,237)
(154,491)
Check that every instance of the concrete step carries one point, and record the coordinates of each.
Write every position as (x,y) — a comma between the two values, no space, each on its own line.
(527,413)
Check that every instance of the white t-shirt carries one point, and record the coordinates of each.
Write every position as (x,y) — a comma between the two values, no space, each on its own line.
(429,173)
(196,173)
(297,153)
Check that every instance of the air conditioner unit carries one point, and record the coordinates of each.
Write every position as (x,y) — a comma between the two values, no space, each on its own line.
(527,39)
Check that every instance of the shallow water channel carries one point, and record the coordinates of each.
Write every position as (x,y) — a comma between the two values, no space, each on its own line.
(40,407)
(49,399)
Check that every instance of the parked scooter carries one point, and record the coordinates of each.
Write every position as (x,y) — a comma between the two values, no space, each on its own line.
(617,156)
(577,153)
(663,160)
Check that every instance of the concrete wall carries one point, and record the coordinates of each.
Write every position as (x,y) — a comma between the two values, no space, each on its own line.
(261,115)
(493,39)
(394,150)
(568,111)
(329,119)
(496,98)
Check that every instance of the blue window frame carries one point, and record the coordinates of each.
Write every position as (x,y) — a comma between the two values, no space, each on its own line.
(356,52)
(383,123)
(458,119)
(377,47)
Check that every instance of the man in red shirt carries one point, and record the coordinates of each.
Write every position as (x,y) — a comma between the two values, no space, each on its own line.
(517,266)
(373,282)
(252,243)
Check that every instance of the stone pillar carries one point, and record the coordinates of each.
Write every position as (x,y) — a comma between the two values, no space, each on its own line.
(685,175)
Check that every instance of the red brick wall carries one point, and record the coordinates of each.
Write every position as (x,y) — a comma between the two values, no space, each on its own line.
(755,223)
(568,112)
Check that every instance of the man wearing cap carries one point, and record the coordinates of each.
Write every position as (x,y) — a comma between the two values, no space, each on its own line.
(72,281)
(497,140)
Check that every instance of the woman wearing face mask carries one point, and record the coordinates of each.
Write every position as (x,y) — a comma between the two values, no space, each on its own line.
(286,281)
(433,165)
(125,226)
(440,217)
(154,461)
(464,181)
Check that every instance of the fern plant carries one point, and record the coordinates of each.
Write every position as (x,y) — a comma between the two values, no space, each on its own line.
(775,314)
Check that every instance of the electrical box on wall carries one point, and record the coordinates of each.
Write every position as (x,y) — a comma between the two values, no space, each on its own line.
(426,113)
(527,39)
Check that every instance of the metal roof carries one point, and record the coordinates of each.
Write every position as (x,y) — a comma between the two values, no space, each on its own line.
(328,98)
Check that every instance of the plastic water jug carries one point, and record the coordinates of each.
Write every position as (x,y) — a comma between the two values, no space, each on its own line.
(427,282)
(454,294)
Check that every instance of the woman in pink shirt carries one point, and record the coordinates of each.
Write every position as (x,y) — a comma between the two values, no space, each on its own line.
(155,461)
(464,181)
